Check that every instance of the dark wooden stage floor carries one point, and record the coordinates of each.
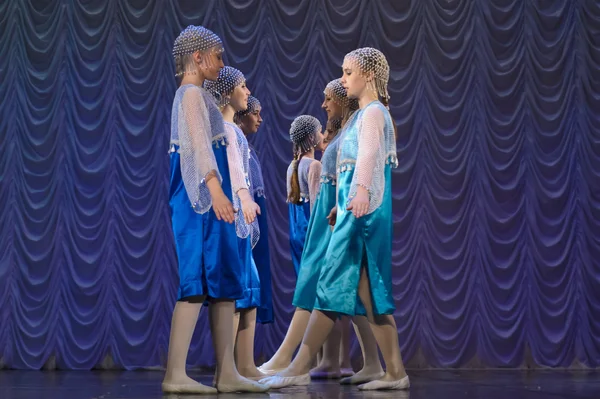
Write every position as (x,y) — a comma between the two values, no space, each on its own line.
(425,384)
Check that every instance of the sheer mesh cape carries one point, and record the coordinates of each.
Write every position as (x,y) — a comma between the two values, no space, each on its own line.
(257,183)
(376,146)
(329,161)
(238,159)
(192,134)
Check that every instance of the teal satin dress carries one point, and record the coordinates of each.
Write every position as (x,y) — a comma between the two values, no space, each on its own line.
(318,233)
(356,243)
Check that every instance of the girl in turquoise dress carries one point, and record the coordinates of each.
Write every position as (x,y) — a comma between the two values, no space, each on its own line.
(203,186)
(338,108)
(249,121)
(358,259)
(231,92)
(303,177)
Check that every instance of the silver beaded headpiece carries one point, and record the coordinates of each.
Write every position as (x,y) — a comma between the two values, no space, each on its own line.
(303,133)
(370,60)
(253,105)
(192,39)
(195,38)
(336,91)
(222,88)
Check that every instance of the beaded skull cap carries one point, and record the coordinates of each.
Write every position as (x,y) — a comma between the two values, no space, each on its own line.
(336,91)
(222,88)
(370,60)
(195,38)
(253,105)
(303,133)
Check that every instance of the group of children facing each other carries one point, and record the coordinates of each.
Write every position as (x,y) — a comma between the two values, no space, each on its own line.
(340,226)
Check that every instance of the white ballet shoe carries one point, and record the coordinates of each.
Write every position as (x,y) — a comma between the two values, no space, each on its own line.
(379,385)
(269,372)
(358,379)
(244,385)
(277,382)
(188,389)
(262,377)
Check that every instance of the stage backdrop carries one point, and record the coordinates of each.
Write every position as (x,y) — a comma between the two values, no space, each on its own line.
(496,201)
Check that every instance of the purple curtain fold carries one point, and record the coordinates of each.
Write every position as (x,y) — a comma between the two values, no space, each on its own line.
(496,200)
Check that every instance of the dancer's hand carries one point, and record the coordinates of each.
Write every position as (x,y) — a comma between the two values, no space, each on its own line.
(221,205)
(332,216)
(249,207)
(360,203)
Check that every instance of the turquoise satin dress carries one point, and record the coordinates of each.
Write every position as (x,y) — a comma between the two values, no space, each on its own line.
(355,243)
(318,233)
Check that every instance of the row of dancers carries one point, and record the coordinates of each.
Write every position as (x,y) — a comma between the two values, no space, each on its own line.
(340,225)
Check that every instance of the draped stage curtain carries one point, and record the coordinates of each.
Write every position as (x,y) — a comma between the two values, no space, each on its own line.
(496,201)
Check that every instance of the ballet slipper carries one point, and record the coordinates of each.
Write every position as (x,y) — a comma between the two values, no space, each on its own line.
(278,382)
(359,378)
(379,385)
(242,385)
(188,388)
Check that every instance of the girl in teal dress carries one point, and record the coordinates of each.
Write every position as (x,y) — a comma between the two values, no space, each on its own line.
(203,186)
(358,259)
(231,92)
(338,107)
(303,177)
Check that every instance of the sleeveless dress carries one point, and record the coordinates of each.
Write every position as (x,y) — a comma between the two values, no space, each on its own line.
(207,249)
(299,214)
(366,155)
(318,232)
(261,252)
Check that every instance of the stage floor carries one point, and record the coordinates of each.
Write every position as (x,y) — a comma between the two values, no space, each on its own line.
(425,384)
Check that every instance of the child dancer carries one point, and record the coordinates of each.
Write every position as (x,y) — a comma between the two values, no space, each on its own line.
(249,121)
(339,108)
(202,216)
(303,177)
(359,253)
(335,359)
(231,91)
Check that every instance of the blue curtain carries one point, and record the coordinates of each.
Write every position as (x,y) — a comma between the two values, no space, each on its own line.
(496,200)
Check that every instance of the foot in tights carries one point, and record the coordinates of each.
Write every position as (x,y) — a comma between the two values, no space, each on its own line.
(183,323)
(297,374)
(221,325)
(371,369)
(282,358)
(244,346)
(385,332)
(329,366)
